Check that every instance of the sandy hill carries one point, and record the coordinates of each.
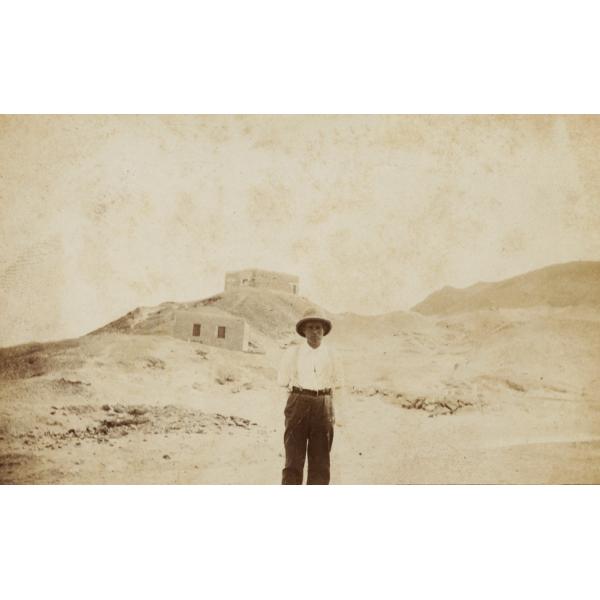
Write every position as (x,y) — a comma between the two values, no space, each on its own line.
(270,314)
(350,328)
(569,284)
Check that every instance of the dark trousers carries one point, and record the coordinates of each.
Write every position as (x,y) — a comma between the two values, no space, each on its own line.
(308,431)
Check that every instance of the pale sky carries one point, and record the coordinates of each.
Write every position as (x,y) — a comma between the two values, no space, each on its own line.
(99,215)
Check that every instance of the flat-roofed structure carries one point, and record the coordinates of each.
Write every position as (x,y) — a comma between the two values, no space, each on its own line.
(212,328)
(257,278)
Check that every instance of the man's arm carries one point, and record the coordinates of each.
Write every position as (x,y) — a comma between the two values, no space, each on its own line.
(286,364)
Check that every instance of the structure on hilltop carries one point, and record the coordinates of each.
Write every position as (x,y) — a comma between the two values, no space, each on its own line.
(216,328)
(257,278)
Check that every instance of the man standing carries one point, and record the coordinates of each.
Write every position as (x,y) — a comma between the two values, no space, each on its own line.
(311,374)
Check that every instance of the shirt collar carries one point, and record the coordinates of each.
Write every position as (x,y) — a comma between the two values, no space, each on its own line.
(306,348)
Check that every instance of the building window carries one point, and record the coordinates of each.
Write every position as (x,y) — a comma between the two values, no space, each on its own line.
(221,331)
(196,329)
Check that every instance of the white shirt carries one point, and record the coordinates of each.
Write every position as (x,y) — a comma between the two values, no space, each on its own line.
(310,368)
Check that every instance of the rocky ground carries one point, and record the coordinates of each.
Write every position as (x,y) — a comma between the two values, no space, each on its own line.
(480,398)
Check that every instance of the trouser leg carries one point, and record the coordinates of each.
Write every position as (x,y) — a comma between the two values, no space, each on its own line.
(295,439)
(320,440)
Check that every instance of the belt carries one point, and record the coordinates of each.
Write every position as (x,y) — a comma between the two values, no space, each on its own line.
(323,392)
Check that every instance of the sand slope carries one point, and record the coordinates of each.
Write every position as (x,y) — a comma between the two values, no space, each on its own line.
(569,284)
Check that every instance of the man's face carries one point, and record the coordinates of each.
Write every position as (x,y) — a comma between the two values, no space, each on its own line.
(313,330)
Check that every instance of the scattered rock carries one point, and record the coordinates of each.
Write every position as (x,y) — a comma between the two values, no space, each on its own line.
(154,363)
(245,423)
(515,386)
(80,409)
(124,422)
(64,381)
(148,420)
(106,407)
(166,457)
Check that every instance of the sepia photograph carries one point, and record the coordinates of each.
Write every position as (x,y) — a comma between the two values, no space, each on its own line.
(299,299)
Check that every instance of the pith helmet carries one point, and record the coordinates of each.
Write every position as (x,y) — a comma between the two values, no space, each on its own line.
(312,314)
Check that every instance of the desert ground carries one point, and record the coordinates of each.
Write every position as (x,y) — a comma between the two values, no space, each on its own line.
(487,395)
